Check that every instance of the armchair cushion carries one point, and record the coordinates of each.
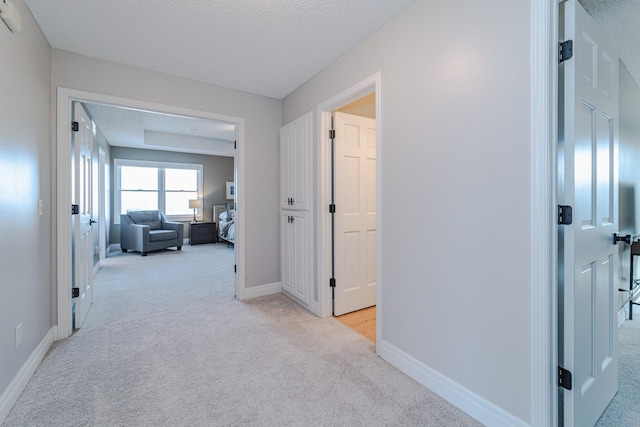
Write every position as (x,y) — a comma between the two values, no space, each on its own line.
(145,231)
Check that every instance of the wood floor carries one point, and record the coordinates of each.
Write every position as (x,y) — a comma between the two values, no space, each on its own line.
(362,321)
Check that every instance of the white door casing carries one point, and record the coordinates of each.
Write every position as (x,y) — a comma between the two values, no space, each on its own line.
(82,197)
(355,217)
(588,181)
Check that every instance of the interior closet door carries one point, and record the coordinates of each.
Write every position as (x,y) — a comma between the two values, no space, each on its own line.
(83,219)
(588,175)
(355,216)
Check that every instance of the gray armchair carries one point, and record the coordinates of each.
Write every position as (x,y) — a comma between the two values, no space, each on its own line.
(145,231)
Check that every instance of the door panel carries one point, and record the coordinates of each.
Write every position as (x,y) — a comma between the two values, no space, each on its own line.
(355,217)
(588,181)
(82,194)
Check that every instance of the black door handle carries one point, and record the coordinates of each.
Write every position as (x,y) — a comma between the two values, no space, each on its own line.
(91,221)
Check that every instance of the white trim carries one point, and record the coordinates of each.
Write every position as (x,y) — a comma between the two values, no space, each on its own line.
(323,190)
(543,234)
(263,290)
(11,394)
(466,400)
(65,97)
(96,268)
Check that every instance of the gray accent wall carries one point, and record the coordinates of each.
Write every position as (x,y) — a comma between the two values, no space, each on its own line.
(217,170)
(25,177)
(455,189)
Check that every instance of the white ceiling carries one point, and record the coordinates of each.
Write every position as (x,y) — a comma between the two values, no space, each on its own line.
(266,47)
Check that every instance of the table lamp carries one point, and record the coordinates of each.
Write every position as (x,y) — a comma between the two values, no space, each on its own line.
(195,204)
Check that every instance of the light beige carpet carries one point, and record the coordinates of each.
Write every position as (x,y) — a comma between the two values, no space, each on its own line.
(167,344)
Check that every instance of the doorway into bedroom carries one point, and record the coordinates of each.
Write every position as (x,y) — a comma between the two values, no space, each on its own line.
(354,218)
(120,122)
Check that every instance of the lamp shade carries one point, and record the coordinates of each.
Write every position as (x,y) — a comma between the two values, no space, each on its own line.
(195,204)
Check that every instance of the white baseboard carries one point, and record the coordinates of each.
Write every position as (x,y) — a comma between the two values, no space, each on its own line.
(622,315)
(462,398)
(10,396)
(96,268)
(262,290)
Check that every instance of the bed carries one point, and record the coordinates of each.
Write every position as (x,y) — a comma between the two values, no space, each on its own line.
(224,215)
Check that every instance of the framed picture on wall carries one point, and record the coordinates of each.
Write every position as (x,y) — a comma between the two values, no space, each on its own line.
(231,190)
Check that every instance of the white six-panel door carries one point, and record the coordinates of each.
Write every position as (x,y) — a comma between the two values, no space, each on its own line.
(82,196)
(355,217)
(589,182)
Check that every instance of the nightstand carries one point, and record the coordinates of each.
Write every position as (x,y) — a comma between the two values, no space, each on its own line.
(202,232)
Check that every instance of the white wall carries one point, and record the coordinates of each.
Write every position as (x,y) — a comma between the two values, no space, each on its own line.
(455,190)
(25,177)
(262,117)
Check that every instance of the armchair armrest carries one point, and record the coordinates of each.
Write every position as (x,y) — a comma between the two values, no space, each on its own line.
(133,236)
(173,225)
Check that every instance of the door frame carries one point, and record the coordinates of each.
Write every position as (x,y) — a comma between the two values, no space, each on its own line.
(543,236)
(63,232)
(323,191)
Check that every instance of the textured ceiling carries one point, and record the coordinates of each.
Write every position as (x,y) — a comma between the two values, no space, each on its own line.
(266,47)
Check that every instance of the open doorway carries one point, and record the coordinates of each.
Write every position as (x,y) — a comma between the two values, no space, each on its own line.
(354,216)
(66,97)
(363,96)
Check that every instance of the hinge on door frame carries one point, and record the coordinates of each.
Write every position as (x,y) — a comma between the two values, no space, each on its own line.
(564,378)
(75,292)
(75,126)
(235,145)
(332,133)
(332,208)
(332,282)
(235,268)
(565,51)
(565,215)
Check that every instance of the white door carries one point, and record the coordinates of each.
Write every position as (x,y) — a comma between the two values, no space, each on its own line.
(588,181)
(355,217)
(296,262)
(82,194)
(295,168)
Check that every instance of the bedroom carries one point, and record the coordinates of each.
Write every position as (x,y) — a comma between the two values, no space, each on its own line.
(140,141)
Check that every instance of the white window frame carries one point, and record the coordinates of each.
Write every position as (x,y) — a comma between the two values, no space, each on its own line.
(118,163)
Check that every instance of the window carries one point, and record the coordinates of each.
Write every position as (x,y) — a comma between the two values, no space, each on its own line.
(156,185)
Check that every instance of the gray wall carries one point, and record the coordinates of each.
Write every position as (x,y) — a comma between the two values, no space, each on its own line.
(262,117)
(455,188)
(629,172)
(217,170)
(25,177)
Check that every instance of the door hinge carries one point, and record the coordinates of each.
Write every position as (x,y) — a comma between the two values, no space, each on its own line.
(75,292)
(565,215)
(565,51)
(332,133)
(235,145)
(235,268)
(332,282)
(75,209)
(332,208)
(75,126)
(564,378)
